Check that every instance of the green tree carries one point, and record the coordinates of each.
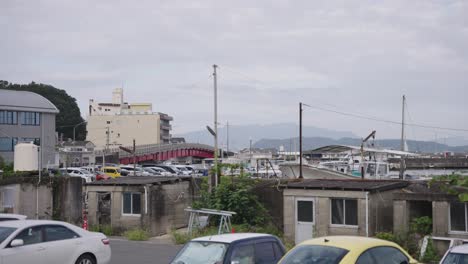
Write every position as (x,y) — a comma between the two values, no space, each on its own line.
(69,114)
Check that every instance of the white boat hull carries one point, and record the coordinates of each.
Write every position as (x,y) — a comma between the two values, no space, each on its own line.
(311,172)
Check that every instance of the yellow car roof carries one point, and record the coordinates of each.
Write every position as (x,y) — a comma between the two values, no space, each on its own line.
(349,242)
(354,244)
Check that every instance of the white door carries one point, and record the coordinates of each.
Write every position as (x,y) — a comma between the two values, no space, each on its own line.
(63,244)
(305,219)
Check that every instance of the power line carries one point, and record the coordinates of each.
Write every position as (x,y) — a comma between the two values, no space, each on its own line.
(387,121)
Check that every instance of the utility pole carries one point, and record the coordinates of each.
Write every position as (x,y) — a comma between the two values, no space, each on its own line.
(227,138)
(300,141)
(402,143)
(134,158)
(106,148)
(215,86)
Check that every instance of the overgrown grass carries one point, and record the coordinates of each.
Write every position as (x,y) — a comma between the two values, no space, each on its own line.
(136,234)
(105,229)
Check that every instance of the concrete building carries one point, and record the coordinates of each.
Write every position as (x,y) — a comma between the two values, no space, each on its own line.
(315,208)
(27,117)
(448,213)
(153,203)
(77,153)
(118,123)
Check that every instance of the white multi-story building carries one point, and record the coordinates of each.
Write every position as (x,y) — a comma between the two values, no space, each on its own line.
(118,123)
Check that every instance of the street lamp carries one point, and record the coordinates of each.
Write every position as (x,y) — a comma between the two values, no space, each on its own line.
(74,127)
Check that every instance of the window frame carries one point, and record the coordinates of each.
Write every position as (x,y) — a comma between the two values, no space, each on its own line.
(450,220)
(8,117)
(24,229)
(31,118)
(344,213)
(131,204)
(386,246)
(44,231)
(12,143)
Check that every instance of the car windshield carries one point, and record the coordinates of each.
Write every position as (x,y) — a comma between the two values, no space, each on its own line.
(456,258)
(198,252)
(315,254)
(5,232)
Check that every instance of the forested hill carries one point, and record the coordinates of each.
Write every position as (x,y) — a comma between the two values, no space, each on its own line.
(69,112)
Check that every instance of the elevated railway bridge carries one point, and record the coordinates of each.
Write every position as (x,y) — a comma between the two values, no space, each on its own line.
(159,152)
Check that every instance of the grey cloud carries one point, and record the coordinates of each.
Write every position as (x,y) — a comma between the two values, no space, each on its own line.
(359,56)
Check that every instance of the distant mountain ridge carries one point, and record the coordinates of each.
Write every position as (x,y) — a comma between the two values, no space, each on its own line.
(316,142)
(240,135)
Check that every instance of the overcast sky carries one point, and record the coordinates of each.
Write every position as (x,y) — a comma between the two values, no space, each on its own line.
(358,57)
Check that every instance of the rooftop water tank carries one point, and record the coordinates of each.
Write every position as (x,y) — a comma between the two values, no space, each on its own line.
(26,157)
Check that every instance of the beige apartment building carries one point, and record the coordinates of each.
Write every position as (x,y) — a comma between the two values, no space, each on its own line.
(118,123)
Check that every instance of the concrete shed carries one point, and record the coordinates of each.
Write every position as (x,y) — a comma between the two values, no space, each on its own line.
(448,213)
(155,204)
(321,207)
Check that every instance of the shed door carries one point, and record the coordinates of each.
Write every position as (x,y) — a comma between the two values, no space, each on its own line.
(305,219)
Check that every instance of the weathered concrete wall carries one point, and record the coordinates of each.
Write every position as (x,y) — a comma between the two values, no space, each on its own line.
(68,200)
(167,207)
(400,216)
(272,198)
(27,194)
(381,212)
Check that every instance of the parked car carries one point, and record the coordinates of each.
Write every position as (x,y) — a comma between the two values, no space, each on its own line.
(161,171)
(139,171)
(184,170)
(9,217)
(114,172)
(347,249)
(78,172)
(237,248)
(151,171)
(456,255)
(167,168)
(43,241)
(101,176)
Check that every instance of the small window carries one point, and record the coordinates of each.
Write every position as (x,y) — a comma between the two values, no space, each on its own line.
(243,254)
(384,255)
(344,212)
(131,203)
(31,235)
(264,253)
(458,213)
(305,211)
(56,232)
(6,144)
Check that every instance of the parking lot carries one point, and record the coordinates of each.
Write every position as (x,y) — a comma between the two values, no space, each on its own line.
(147,252)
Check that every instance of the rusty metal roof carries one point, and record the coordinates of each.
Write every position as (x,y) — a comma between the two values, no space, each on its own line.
(139,180)
(347,184)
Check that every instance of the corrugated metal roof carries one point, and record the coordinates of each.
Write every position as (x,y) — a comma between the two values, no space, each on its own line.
(351,184)
(25,101)
(345,148)
(140,180)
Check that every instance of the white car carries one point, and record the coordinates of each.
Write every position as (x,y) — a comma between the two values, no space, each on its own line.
(138,172)
(78,172)
(161,171)
(43,241)
(9,217)
(456,255)
(184,170)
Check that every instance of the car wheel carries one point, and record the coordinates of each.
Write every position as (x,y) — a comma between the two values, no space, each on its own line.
(85,259)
